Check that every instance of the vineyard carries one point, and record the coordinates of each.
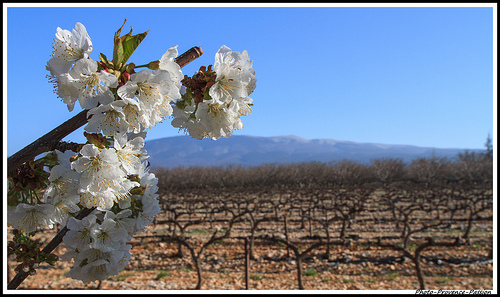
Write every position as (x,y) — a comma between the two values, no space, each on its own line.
(428,225)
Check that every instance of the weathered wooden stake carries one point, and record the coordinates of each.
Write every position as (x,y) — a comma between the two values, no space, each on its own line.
(247,264)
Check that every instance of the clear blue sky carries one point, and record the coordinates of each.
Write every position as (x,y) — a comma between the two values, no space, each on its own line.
(402,75)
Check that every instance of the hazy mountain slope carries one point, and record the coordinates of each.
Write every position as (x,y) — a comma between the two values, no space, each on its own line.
(250,150)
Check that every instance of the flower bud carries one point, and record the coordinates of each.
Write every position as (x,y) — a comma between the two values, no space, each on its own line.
(125,77)
(137,191)
(26,268)
(130,68)
(154,65)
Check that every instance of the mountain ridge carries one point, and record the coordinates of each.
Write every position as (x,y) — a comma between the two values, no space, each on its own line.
(246,150)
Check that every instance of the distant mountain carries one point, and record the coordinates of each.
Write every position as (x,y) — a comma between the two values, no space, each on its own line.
(252,151)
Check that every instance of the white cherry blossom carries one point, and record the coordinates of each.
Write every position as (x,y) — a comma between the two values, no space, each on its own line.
(108,238)
(122,220)
(64,182)
(79,233)
(96,270)
(167,63)
(154,91)
(108,118)
(129,152)
(149,87)
(184,119)
(64,206)
(28,217)
(217,118)
(100,200)
(96,165)
(69,47)
(92,86)
(134,118)
(234,72)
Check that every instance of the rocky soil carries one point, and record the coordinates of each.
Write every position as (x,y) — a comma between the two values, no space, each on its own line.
(157,266)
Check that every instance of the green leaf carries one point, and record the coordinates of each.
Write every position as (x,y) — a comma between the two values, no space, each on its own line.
(104,59)
(131,43)
(125,46)
(118,48)
(97,139)
(206,94)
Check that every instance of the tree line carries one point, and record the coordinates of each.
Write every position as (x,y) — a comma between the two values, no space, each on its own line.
(466,168)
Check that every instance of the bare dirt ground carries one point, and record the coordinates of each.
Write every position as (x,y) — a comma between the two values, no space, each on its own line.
(156,266)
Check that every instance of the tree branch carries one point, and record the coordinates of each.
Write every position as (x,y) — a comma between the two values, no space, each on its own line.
(46,142)
(189,56)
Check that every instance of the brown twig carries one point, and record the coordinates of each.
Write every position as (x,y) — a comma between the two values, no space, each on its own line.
(50,140)
(46,142)
(188,56)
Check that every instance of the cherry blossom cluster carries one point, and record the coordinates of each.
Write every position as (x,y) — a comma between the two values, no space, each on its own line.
(113,179)
(118,101)
(214,100)
(109,174)
(147,97)
(98,242)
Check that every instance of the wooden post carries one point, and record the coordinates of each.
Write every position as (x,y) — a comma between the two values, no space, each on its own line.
(286,237)
(247,265)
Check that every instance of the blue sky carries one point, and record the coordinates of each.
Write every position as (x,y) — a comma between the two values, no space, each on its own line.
(394,75)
